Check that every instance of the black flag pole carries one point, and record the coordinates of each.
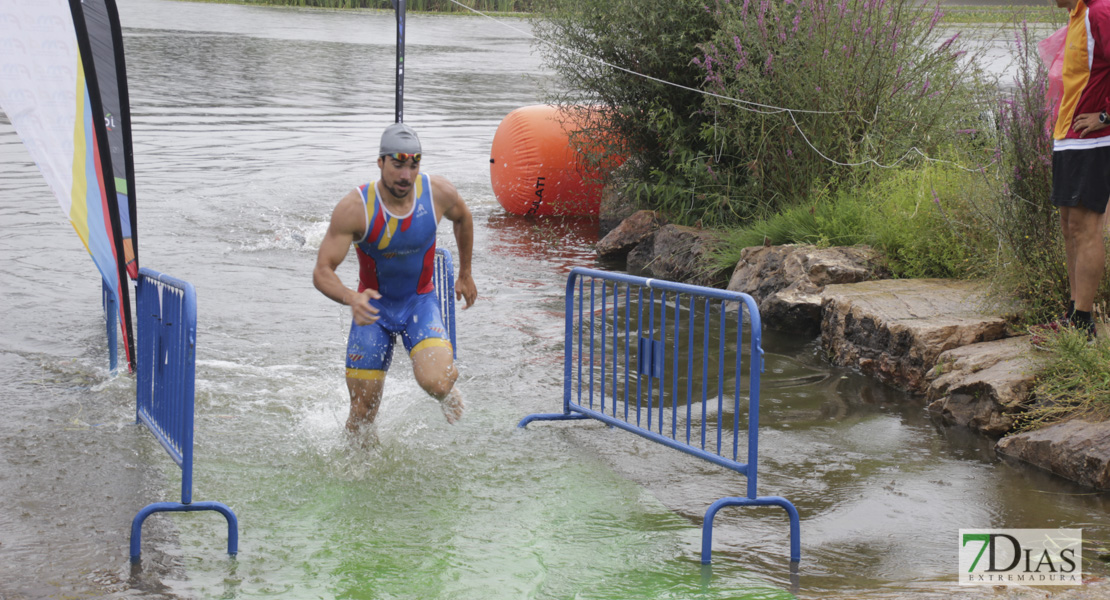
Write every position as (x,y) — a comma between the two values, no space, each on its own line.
(399,7)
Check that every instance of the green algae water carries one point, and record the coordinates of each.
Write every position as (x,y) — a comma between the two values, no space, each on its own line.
(250,124)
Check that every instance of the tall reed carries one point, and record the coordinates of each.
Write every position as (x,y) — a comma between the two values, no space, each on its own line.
(1030,262)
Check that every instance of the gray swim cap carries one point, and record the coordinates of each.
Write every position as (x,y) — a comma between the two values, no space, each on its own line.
(399,137)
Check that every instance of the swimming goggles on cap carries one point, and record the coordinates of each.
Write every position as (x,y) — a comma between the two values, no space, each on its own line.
(403,156)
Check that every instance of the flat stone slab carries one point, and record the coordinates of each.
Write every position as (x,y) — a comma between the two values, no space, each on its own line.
(787,281)
(896,329)
(1075,450)
(983,386)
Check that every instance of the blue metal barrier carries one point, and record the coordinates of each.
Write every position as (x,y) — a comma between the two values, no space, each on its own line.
(167,332)
(651,356)
(444,279)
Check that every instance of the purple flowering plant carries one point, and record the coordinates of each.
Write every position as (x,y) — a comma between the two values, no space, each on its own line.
(1020,214)
(869,79)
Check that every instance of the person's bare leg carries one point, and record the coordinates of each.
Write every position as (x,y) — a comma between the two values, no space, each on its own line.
(366,397)
(1069,247)
(1085,228)
(434,368)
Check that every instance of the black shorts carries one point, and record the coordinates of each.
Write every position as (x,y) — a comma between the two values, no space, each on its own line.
(1081,178)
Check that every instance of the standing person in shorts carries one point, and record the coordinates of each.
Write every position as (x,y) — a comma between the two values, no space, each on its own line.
(1081,153)
(392,223)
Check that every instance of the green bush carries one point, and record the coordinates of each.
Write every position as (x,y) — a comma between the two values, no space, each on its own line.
(878,70)
(654,125)
(876,76)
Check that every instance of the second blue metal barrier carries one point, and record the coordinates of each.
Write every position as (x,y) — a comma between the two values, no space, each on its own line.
(444,278)
(666,361)
(166,374)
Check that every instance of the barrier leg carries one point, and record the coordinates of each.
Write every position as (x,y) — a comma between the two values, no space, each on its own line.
(791,512)
(111,315)
(137,523)
(551,417)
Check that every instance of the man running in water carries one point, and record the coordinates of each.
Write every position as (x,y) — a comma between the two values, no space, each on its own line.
(392,223)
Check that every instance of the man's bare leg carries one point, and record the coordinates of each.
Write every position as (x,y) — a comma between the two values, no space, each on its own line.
(1069,248)
(434,368)
(366,397)
(1084,242)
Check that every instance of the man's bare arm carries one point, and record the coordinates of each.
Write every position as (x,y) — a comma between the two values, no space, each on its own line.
(347,222)
(455,210)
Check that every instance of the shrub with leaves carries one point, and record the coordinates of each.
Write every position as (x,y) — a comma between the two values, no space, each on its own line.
(872,80)
(655,125)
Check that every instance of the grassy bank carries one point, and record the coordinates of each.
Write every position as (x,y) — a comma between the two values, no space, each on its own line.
(1074,384)
(918,219)
(1001,15)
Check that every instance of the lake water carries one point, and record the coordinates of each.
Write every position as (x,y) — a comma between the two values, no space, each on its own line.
(249,124)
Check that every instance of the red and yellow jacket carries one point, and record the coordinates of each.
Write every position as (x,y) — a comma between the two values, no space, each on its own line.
(1086,74)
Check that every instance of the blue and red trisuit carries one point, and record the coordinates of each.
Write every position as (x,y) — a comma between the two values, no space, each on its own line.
(396,257)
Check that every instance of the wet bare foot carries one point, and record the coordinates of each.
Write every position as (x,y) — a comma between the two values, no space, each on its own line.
(452,405)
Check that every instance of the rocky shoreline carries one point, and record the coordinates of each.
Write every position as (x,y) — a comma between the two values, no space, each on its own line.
(940,339)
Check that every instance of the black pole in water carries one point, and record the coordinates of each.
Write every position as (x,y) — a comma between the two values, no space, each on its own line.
(399,7)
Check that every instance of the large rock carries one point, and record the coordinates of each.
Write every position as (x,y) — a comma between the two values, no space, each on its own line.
(787,281)
(682,254)
(639,259)
(1076,450)
(630,233)
(895,329)
(983,386)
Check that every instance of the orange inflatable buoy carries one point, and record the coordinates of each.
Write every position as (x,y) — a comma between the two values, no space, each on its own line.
(535,171)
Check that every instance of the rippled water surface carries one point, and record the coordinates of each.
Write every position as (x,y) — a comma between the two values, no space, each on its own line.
(250,124)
